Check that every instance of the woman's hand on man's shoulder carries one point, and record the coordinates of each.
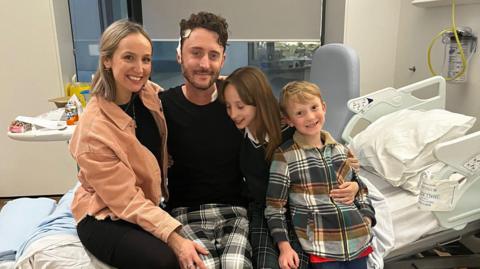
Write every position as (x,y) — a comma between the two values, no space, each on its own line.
(157,88)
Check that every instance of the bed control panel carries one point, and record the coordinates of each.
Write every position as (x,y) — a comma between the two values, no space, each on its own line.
(473,164)
(359,105)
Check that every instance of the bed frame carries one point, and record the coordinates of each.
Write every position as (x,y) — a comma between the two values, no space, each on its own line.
(461,155)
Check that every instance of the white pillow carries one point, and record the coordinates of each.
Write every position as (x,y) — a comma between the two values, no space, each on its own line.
(400,145)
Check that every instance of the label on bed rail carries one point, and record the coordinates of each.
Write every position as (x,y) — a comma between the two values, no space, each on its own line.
(438,194)
(359,105)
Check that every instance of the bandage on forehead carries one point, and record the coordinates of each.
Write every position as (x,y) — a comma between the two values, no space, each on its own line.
(186,33)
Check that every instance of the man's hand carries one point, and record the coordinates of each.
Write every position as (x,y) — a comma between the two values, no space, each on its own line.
(345,193)
(368,221)
(154,85)
(354,164)
(186,251)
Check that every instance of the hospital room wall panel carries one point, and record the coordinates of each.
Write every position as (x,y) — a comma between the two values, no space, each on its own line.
(37,60)
(417,27)
(371,29)
(334,21)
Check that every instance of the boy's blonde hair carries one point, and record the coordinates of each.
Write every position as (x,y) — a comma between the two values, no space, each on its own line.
(299,92)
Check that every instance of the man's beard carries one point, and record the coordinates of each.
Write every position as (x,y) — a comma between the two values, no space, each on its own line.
(189,76)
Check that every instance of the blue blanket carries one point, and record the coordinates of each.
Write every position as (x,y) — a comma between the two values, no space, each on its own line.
(18,219)
(60,221)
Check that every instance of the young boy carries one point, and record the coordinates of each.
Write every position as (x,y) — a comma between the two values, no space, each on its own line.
(303,171)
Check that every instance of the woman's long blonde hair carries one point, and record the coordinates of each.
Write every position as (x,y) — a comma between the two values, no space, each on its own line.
(254,89)
(103,83)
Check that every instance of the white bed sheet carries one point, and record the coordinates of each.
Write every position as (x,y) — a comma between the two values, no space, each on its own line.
(7,264)
(408,221)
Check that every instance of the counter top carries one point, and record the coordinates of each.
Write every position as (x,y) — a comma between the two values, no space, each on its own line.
(44,134)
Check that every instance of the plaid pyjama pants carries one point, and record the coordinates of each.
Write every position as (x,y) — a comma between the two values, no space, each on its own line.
(222,229)
(265,253)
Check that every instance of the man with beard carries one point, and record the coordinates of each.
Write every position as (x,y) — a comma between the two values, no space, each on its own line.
(205,181)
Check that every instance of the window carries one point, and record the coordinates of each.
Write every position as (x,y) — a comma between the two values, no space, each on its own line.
(281,61)
(89,18)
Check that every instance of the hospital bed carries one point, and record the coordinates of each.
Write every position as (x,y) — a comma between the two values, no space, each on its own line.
(409,230)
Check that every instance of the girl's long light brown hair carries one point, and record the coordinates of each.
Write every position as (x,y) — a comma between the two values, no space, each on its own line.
(254,89)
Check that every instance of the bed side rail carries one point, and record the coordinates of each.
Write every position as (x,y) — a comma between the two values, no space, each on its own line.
(462,155)
(372,106)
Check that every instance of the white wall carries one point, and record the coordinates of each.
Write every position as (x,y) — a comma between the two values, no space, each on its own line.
(31,71)
(417,28)
(371,28)
(334,21)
